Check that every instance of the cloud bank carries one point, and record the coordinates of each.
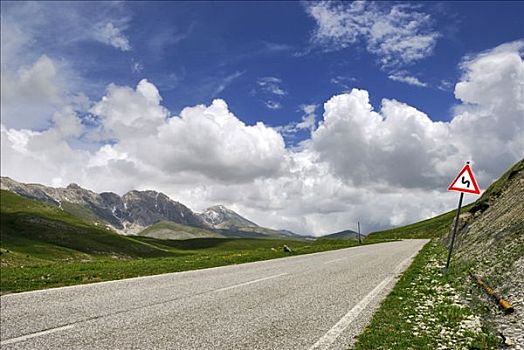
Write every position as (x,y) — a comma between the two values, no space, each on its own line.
(386,166)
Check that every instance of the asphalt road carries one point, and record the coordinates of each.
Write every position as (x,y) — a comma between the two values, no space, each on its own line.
(316,301)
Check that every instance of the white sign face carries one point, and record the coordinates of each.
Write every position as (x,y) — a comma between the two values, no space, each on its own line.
(465,182)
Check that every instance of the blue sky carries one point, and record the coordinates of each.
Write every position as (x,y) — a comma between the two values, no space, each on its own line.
(74,100)
(189,49)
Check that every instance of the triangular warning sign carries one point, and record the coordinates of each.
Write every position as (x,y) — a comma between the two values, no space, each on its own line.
(465,182)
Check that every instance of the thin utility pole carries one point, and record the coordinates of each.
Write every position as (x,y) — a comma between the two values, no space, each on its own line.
(359,241)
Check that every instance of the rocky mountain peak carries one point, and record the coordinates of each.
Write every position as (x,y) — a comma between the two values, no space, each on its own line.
(219,208)
(137,210)
(219,216)
(73,186)
(130,213)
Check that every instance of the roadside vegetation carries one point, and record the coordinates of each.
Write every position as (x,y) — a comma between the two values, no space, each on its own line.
(43,246)
(428,309)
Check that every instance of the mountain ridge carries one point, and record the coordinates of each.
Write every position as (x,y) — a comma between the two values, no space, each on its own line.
(137,211)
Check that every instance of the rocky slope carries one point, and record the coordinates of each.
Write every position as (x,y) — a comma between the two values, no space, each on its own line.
(221,217)
(128,214)
(491,241)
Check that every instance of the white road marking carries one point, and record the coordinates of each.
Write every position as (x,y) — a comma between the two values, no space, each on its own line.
(37,334)
(334,260)
(250,282)
(344,258)
(330,337)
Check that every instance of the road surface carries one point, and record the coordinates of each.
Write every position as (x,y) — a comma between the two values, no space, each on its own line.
(316,301)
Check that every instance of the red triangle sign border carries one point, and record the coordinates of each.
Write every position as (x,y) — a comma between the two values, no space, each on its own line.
(475,190)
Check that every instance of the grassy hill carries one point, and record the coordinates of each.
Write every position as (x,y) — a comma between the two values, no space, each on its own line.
(34,232)
(173,230)
(347,234)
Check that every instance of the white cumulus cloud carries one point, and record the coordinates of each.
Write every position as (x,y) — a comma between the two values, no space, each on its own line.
(127,112)
(31,94)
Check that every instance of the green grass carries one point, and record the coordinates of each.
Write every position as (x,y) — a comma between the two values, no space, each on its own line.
(42,246)
(426,310)
(81,212)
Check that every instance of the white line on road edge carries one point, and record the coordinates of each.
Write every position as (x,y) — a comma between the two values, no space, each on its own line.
(250,282)
(333,333)
(330,337)
(37,334)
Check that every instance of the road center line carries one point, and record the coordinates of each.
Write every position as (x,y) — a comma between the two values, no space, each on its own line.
(331,335)
(250,282)
(37,334)
(344,258)
(334,260)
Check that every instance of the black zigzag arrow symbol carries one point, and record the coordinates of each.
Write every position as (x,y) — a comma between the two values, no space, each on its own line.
(466,182)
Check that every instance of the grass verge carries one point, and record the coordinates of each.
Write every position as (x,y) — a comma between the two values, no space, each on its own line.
(428,310)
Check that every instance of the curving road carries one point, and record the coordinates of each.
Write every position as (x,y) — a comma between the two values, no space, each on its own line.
(316,301)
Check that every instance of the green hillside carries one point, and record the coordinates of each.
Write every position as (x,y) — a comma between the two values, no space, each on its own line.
(430,228)
(173,230)
(346,234)
(32,230)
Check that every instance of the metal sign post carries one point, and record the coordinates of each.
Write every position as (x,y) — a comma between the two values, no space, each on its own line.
(454,230)
(464,183)
(359,241)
